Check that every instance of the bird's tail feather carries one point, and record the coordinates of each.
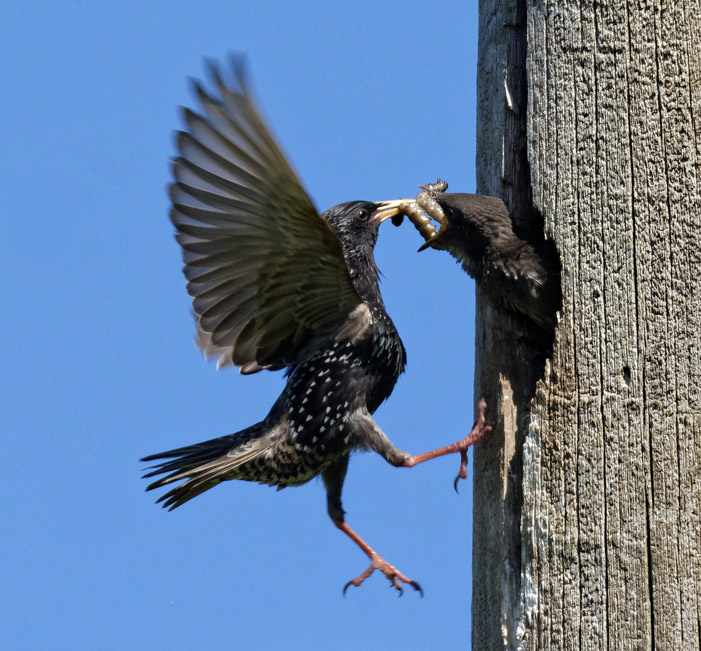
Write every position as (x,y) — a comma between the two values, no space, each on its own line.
(204,465)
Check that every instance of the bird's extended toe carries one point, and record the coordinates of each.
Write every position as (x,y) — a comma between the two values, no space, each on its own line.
(479,430)
(394,576)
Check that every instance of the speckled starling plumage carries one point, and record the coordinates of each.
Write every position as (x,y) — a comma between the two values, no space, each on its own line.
(337,379)
(275,285)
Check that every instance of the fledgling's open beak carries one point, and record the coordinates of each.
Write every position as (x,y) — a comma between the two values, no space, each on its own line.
(388,209)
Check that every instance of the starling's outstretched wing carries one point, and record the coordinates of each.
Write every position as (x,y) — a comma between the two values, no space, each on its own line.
(265,271)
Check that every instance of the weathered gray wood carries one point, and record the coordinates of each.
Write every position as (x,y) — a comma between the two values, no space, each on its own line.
(587,499)
(506,371)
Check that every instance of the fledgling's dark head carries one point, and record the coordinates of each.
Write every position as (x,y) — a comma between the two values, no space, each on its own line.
(356,223)
(477,218)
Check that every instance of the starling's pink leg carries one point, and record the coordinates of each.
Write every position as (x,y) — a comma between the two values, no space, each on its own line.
(478,432)
(377,563)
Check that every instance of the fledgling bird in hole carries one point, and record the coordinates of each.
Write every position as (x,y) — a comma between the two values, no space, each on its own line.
(276,286)
(519,271)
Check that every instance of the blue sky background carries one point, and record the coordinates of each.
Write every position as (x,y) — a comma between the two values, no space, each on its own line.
(99,366)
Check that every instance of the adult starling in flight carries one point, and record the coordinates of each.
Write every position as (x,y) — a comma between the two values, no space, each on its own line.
(275,285)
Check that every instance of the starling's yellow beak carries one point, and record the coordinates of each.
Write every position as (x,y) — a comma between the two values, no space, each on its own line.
(388,209)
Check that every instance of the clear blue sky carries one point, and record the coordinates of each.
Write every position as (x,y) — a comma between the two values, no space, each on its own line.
(99,366)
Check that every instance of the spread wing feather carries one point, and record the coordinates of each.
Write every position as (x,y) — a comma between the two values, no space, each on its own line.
(265,271)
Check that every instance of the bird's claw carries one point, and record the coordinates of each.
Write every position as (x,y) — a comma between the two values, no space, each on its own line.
(462,474)
(395,577)
(479,430)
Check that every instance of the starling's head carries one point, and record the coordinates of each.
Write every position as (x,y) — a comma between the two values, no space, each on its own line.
(356,222)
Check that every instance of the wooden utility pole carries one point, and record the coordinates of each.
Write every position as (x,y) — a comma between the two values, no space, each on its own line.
(587,521)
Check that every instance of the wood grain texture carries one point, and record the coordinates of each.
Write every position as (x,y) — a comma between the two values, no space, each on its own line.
(506,368)
(588,514)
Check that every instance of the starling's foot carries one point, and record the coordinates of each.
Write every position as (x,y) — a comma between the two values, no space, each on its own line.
(396,578)
(477,433)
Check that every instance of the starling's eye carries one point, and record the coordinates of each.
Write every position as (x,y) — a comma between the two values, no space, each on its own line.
(363,214)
